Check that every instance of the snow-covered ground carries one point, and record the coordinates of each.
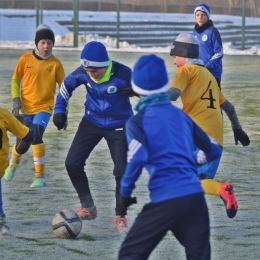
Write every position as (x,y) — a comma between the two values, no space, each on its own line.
(17,29)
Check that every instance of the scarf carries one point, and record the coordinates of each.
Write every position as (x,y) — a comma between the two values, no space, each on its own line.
(107,74)
(39,55)
(202,28)
(195,61)
(153,100)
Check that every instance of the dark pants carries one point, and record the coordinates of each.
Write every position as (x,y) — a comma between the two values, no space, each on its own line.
(187,217)
(86,138)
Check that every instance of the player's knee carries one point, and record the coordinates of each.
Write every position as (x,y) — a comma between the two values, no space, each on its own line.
(22,147)
(38,131)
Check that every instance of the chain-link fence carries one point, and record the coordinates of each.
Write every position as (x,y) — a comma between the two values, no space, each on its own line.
(130,22)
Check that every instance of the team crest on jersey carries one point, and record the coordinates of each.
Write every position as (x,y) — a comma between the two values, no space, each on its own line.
(204,37)
(111,89)
(49,69)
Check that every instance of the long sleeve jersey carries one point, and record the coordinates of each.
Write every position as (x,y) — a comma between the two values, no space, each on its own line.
(210,50)
(9,123)
(161,139)
(105,106)
(201,98)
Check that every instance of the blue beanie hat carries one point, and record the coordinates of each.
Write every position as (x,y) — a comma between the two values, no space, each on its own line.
(94,55)
(149,76)
(202,8)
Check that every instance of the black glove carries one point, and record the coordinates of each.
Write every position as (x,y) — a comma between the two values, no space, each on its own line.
(60,120)
(126,202)
(66,124)
(242,137)
(128,92)
(17,105)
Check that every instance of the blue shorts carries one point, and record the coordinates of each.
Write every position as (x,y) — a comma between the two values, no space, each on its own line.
(41,118)
(209,169)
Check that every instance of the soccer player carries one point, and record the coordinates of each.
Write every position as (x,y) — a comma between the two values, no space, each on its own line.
(211,50)
(202,100)
(39,70)
(23,130)
(107,108)
(161,138)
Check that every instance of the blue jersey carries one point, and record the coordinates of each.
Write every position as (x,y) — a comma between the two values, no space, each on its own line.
(210,50)
(162,138)
(105,106)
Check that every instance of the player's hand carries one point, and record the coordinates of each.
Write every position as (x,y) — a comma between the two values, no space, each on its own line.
(128,92)
(66,124)
(17,105)
(126,202)
(60,120)
(242,137)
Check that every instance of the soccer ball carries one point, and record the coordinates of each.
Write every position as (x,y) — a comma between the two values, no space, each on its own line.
(66,224)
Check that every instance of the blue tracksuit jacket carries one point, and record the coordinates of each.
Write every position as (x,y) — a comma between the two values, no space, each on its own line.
(161,138)
(105,106)
(210,50)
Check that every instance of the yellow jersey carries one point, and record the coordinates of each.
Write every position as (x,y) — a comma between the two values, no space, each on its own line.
(201,98)
(39,78)
(8,122)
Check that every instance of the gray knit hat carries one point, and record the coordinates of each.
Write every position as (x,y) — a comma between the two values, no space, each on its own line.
(186,45)
(44,32)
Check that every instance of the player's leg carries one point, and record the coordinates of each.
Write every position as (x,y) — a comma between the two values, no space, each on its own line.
(225,190)
(193,230)
(18,150)
(40,122)
(150,226)
(86,138)
(118,147)
(3,226)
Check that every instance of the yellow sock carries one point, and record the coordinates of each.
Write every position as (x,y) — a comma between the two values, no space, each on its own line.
(16,157)
(211,187)
(39,158)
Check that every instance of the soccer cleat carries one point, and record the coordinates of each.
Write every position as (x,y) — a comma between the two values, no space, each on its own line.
(38,182)
(121,223)
(228,196)
(86,214)
(10,171)
(3,227)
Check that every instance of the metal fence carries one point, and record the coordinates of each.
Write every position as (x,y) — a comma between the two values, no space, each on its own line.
(154,23)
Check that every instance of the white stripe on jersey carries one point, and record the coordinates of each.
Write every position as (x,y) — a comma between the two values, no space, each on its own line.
(217,55)
(64,93)
(133,147)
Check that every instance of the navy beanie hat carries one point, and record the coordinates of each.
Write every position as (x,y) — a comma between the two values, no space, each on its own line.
(186,45)
(94,55)
(202,8)
(149,76)
(44,32)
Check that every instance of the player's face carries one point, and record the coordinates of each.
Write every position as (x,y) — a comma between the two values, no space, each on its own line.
(45,46)
(201,18)
(96,74)
(179,61)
